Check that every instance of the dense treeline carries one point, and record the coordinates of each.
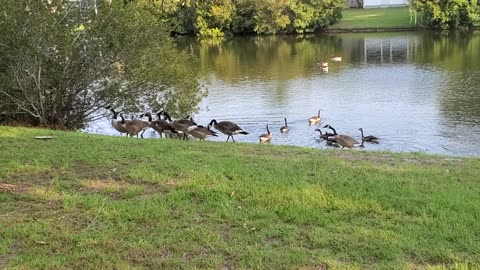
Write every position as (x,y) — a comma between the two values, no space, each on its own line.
(448,14)
(213,18)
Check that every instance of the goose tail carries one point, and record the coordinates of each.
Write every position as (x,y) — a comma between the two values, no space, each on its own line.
(243,132)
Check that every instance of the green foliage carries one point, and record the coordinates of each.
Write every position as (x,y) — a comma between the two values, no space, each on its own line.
(448,14)
(61,62)
(214,18)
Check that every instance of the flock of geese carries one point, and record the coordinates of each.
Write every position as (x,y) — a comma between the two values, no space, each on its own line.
(182,128)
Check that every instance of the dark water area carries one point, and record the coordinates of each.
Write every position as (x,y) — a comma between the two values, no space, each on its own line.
(417,91)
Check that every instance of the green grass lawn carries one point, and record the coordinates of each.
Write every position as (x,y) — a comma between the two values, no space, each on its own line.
(375,18)
(86,201)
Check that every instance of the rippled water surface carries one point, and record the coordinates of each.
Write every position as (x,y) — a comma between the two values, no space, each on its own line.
(416,91)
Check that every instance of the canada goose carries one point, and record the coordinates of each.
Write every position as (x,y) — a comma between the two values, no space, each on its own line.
(162,126)
(227,128)
(322,64)
(344,140)
(323,135)
(285,128)
(330,127)
(347,141)
(368,138)
(336,58)
(134,126)
(265,138)
(117,124)
(181,125)
(201,132)
(315,119)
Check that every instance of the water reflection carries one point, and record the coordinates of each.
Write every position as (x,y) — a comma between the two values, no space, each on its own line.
(416,91)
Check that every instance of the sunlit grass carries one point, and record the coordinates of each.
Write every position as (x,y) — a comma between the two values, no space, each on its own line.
(374,18)
(98,202)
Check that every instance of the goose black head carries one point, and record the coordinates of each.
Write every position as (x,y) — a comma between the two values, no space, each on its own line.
(213,122)
(115,113)
(166,115)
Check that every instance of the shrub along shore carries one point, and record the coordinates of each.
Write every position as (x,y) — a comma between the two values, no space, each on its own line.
(86,201)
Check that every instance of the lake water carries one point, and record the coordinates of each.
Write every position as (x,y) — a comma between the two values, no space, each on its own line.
(416,91)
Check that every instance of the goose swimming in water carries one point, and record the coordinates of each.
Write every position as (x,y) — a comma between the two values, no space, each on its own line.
(284,129)
(368,138)
(266,138)
(315,119)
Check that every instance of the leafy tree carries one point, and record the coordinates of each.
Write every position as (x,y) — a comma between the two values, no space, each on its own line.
(214,18)
(448,14)
(62,61)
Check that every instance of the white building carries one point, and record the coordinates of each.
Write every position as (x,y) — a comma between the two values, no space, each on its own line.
(377,3)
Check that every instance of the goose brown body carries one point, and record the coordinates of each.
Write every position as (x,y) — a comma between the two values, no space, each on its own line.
(315,119)
(266,138)
(228,128)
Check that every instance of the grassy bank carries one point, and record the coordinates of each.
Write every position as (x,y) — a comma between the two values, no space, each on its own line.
(97,202)
(373,19)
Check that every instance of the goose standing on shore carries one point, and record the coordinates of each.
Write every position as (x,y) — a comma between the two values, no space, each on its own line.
(162,126)
(228,128)
(118,125)
(284,129)
(201,132)
(135,126)
(266,138)
(181,125)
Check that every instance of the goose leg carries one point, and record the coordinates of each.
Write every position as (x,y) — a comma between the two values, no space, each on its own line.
(228,138)
(233,139)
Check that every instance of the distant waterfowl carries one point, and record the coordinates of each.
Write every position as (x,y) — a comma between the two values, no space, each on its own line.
(284,129)
(336,58)
(368,138)
(265,138)
(315,119)
(200,132)
(322,64)
(228,128)
(118,125)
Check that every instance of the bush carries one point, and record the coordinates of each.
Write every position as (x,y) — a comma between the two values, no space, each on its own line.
(62,61)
